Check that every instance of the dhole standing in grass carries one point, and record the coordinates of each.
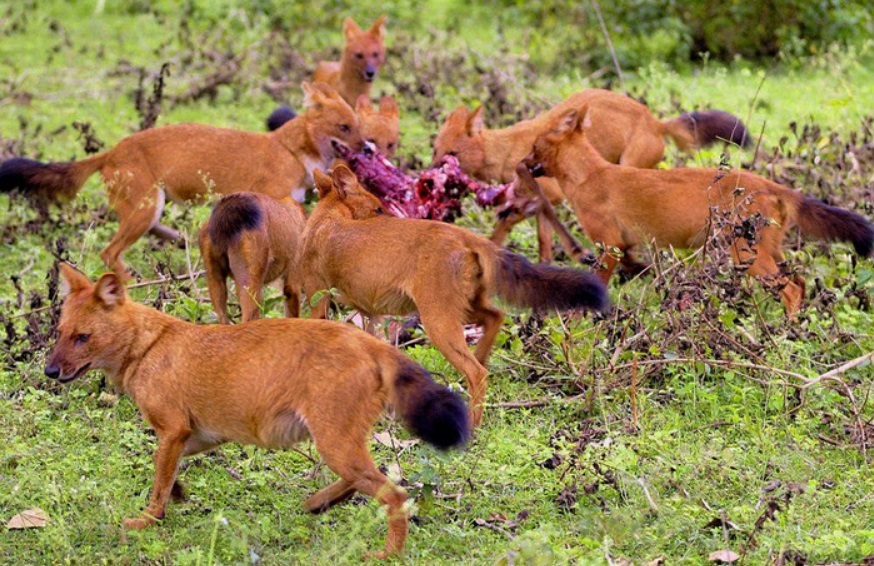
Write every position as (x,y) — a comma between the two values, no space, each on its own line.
(271,383)
(621,207)
(255,239)
(386,265)
(188,161)
(622,130)
(353,75)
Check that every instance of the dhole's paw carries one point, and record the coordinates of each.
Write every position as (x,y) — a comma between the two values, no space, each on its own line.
(143,521)
(381,555)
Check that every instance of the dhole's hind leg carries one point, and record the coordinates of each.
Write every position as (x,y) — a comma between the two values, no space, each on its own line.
(447,335)
(216,279)
(345,452)
(643,152)
(765,266)
(138,207)
(248,268)
(490,318)
(291,292)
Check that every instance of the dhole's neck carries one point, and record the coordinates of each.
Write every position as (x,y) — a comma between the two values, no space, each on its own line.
(350,82)
(576,161)
(505,148)
(293,135)
(146,327)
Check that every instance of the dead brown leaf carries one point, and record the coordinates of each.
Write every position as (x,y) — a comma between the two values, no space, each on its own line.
(31,519)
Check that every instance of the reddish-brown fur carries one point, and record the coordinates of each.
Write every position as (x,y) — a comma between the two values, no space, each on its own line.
(270,383)
(362,58)
(380,127)
(255,239)
(620,207)
(387,265)
(623,131)
(189,161)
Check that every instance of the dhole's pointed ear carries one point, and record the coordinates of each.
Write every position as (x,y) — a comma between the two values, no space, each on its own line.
(388,107)
(324,183)
(568,121)
(345,180)
(72,280)
(585,120)
(312,98)
(110,290)
(363,105)
(475,122)
(460,114)
(378,27)
(350,28)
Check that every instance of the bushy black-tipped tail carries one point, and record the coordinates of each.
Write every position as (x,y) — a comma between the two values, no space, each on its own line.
(820,220)
(542,287)
(46,182)
(710,126)
(279,117)
(232,215)
(432,412)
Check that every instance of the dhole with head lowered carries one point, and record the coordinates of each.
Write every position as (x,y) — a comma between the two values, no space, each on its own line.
(187,161)
(621,129)
(271,383)
(387,265)
(255,239)
(380,127)
(620,207)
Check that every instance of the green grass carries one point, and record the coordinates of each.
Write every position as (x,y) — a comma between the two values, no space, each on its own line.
(614,463)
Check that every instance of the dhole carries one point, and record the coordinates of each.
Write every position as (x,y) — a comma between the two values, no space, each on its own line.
(621,207)
(381,128)
(256,239)
(187,161)
(270,383)
(623,131)
(387,265)
(362,58)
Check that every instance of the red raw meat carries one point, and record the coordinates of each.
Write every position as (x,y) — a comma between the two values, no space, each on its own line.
(435,194)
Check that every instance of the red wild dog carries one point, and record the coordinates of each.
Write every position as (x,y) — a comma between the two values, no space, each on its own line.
(187,161)
(256,239)
(380,127)
(362,58)
(621,129)
(388,265)
(620,207)
(271,383)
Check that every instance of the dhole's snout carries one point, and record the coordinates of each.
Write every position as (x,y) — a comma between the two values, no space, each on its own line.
(52,371)
(534,166)
(369,72)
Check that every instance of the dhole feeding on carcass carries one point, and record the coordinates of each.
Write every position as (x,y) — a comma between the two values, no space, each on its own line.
(620,207)
(623,131)
(387,265)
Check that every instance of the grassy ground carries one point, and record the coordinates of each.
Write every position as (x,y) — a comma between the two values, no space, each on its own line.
(669,429)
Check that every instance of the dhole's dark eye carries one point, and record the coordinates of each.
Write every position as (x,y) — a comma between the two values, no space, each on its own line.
(359,55)
(391,145)
(452,153)
(379,210)
(344,128)
(82,338)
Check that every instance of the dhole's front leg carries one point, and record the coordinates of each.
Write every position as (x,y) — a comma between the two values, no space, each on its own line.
(170,448)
